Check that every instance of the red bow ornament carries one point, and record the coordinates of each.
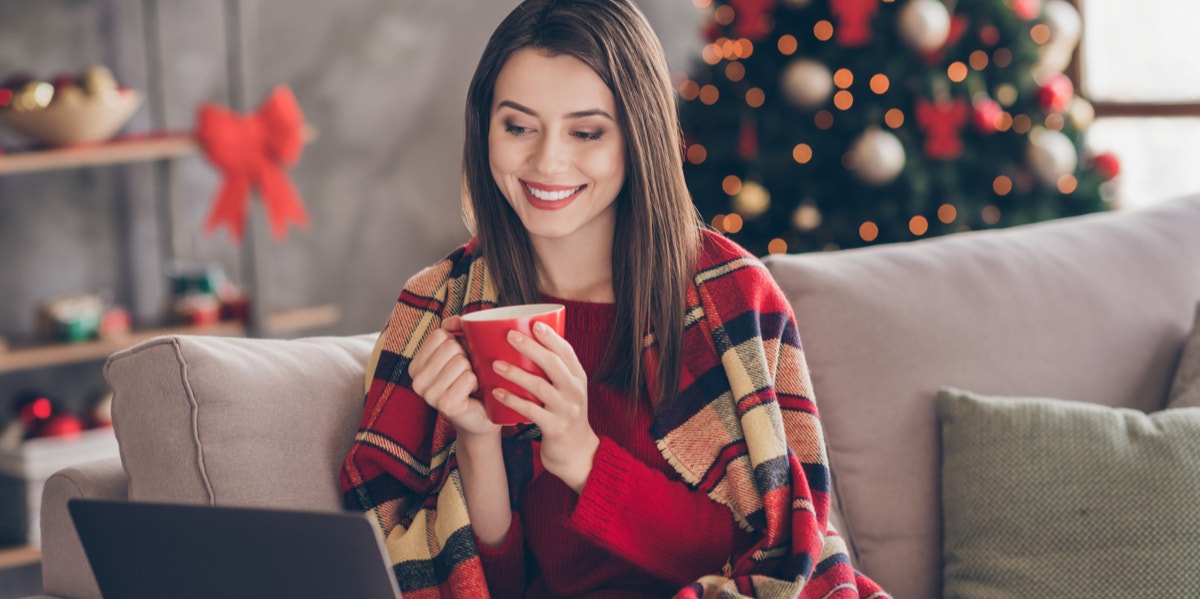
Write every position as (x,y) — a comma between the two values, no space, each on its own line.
(943,122)
(251,150)
(854,21)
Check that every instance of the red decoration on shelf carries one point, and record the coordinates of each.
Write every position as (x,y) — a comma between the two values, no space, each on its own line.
(853,21)
(958,26)
(942,121)
(251,151)
(748,18)
(35,412)
(1107,164)
(1056,93)
(985,112)
(61,425)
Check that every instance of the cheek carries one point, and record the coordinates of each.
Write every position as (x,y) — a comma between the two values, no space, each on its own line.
(501,158)
(607,165)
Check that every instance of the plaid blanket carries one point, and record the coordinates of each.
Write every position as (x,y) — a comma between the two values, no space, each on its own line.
(744,429)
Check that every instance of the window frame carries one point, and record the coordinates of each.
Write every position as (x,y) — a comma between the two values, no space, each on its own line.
(1106,109)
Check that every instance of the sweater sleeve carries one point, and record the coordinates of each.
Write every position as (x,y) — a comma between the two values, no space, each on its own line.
(504,566)
(658,524)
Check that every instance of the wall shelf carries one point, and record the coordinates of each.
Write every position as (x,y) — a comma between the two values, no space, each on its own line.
(120,150)
(58,354)
(19,555)
(278,322)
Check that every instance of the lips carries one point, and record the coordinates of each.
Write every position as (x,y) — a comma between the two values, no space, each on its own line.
(550,197)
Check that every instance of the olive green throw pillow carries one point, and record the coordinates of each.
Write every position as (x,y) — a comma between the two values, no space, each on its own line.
(1185,387)
(1053,498)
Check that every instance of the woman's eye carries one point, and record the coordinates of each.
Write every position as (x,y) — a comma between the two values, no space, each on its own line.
(589,135)
(516,129)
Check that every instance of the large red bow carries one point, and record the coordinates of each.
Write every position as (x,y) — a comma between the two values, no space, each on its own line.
(252,150)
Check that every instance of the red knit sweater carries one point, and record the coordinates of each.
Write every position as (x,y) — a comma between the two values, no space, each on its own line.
(636,530)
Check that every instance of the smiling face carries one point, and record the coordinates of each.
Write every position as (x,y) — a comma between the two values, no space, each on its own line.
(555,148)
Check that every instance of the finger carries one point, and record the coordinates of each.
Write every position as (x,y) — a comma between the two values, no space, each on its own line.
(425,376)
(428,347)
(457,399)
(534,384)
(548,337)
(550,362)
(527,409)
(452,323)
(446,378)
(447,349)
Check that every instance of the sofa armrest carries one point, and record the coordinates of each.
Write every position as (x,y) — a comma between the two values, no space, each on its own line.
(65,569)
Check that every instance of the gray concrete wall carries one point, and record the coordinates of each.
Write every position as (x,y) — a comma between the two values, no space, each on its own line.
(382,80)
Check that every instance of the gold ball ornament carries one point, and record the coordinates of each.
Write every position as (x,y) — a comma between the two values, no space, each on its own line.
(98,80)
(752,200)
(807,83)
(924,25)
(806,217)
(879,157)
(1082,113)
(34,95)
(69,95)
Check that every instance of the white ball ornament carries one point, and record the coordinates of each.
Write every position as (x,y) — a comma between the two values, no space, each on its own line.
(807,83)
(1050,155)
(879,156)
(1065,28)
(924,25)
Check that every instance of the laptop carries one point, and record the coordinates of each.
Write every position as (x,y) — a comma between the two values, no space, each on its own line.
(156,550)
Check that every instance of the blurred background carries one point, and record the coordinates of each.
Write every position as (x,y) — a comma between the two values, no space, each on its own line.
(811,125)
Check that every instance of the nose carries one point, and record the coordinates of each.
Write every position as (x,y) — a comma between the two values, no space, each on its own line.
(552,157)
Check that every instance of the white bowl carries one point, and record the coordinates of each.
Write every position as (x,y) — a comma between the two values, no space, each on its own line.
(93,119)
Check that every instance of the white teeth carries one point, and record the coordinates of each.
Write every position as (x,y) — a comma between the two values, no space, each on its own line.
(551,196)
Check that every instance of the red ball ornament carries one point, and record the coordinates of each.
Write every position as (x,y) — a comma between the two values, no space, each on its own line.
(985,113)
(1056,93)
(1027,9)
(1107,164)
(747,147)
(712,31)
(61,425)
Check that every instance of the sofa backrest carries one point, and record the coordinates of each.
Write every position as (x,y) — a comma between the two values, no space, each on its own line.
(229,421)
(1092,308)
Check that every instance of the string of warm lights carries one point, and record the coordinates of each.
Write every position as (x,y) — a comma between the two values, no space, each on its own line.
(968,98)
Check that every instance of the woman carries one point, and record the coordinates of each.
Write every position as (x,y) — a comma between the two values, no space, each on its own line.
(677,450)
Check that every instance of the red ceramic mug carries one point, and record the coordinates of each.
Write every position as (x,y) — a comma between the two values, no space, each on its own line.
(486,334)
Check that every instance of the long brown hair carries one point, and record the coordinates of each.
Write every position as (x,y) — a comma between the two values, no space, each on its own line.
(656,237)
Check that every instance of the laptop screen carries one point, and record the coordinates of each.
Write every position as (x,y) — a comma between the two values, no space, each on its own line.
(155,550)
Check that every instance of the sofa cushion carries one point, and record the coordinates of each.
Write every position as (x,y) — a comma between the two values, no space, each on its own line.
(1053,498)
(1185,388)
(232,421)
(1091,308)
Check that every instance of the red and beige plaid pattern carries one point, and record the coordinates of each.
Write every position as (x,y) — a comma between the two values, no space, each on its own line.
(744,429)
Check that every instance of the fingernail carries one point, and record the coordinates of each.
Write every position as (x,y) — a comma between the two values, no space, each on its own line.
(516,337)
(498,392)
(500,366)
(541,327)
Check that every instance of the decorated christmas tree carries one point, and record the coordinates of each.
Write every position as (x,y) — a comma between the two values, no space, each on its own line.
(824,124)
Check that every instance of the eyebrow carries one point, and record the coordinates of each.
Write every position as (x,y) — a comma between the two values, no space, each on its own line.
(570,115)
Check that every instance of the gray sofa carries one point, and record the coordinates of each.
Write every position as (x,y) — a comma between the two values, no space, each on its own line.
(1094,308)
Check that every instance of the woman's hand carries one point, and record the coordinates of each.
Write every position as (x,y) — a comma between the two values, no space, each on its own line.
(568,442)
(442,376)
